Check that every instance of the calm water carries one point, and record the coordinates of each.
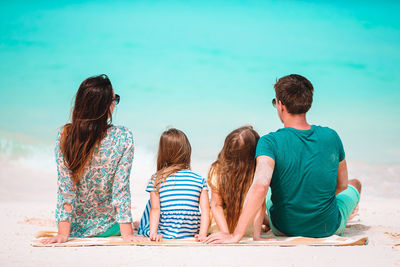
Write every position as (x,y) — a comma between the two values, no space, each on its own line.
(203,67)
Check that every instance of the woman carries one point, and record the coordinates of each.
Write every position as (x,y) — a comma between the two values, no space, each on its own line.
(94,160)
(230,177)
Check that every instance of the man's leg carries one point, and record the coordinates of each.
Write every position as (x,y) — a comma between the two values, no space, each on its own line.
(347,201)
(356,183)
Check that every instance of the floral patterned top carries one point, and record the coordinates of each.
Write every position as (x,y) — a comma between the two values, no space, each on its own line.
(103,186)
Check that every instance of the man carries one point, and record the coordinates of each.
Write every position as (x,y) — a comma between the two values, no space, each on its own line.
(305,167)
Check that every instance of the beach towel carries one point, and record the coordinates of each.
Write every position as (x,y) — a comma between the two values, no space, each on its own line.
(268,240)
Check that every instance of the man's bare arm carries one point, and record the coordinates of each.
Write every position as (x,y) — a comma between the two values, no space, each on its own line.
(254,200)
(342,177)
(258,221)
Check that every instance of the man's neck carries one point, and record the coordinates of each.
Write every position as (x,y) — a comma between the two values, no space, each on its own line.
(297,121)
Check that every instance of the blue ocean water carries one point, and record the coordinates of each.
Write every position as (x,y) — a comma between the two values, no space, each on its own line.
(205,67)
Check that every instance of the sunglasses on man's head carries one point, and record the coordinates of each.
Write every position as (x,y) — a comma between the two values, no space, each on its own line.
(116,99)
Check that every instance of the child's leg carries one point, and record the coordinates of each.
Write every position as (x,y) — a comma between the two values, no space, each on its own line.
(144,225)
(347,200)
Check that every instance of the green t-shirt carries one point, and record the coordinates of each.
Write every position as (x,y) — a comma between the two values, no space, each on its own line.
(304,179)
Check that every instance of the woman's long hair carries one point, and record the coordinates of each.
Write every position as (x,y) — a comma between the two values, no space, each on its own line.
(91,117)
(174,152)
(233,171)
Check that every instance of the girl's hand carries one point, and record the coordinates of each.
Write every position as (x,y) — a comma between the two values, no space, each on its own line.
(55,239)
(156,237)
(134,238)
(221,238)
(200,238)
(256,238)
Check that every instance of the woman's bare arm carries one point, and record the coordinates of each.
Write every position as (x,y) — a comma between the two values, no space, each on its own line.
(64,229)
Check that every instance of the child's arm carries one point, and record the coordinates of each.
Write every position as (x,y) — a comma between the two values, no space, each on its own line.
(205,216)
(218,211)
(258,220)
(155,216)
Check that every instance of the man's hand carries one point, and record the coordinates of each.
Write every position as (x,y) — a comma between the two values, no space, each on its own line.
(134,238)
(221,238)
(55,239)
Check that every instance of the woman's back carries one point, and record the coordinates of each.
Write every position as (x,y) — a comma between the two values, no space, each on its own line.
(103,186)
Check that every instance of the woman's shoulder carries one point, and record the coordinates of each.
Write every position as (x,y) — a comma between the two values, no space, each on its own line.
(120,131)
(60,131)
(118,137)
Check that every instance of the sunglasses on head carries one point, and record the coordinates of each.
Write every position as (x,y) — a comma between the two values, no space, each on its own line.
(116,99)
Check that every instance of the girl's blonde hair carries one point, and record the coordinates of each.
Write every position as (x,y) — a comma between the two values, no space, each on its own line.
(233,171)
(174,152)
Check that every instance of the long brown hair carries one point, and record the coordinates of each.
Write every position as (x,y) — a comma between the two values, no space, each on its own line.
(91,117)
(233,171)
(174,152)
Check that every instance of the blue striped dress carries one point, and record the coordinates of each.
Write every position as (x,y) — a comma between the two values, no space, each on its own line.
(179,203)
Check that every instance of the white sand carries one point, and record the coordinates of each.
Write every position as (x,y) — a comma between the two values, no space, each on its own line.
(27,201)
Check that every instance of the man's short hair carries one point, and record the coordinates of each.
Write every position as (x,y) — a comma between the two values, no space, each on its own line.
(295,92)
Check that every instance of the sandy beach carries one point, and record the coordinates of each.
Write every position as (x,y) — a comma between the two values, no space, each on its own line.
(206,68)
(27,206)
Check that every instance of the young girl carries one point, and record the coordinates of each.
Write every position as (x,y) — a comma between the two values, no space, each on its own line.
(94,160)
(230,177)
(175,194)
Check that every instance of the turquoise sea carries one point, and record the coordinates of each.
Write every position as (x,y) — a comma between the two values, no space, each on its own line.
(205,67)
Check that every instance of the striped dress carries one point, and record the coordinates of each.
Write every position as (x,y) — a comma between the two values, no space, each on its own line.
(179,203)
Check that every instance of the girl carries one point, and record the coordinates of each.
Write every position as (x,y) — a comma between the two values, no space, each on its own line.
(94,160)
(175,194)
(230,177)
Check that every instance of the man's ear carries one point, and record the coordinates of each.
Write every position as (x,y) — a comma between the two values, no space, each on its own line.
(282,107)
